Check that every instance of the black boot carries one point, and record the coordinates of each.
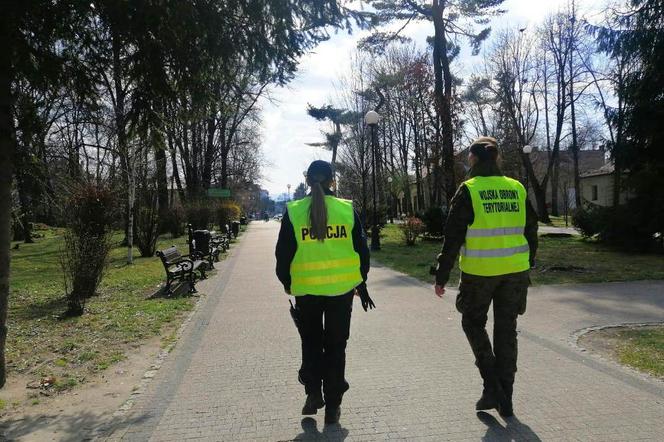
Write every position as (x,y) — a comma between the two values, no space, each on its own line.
(488,400)
(505,408)
(332,415)
(312,404)
(492,395)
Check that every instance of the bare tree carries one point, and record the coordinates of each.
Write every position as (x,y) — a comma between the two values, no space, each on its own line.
(517,83)
(452,20)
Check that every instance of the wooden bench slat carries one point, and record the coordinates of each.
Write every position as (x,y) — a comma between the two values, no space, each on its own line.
(179,267)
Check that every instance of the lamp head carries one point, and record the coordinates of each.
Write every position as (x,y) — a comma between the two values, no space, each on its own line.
(372,117)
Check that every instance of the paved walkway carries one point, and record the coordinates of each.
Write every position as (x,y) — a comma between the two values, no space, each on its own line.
(233,375)
(551,229)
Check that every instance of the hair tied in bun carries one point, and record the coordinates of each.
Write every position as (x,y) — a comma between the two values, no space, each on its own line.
(485,148)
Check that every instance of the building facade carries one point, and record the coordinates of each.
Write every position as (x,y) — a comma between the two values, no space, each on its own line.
(597,187)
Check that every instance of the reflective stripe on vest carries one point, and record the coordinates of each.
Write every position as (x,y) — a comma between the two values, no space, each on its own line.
(494,253)
(303,267)
(330,267)
(500,231)
(495,242)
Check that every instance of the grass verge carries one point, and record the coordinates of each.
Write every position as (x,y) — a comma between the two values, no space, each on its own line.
(643,349)
(640,347)
(559,260)
(121,316)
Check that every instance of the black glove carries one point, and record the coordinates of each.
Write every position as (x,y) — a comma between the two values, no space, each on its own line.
(442,278)
(295,314)
(367,302)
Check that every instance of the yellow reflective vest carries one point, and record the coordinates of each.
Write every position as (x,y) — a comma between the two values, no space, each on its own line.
(330,267)
(495,242)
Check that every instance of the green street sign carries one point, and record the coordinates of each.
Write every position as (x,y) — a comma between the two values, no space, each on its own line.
(219,193)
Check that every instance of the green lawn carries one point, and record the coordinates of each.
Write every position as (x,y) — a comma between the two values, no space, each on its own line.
(40,343)
(643,349)
(559,260)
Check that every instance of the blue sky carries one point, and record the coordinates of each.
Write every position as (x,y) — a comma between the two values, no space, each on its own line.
(287,127)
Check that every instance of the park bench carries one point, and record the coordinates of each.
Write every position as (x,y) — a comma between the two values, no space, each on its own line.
(181,268)
(202,247)
(227,232)
(220,241)
(235,228)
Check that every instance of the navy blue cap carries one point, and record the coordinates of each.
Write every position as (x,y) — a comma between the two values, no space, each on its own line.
(320,172)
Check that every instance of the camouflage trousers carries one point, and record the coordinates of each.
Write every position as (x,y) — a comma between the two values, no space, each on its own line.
(508,294)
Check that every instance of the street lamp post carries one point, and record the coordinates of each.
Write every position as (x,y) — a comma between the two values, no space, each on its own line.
(389,184)
(527,149)
(371,119)
(288,192)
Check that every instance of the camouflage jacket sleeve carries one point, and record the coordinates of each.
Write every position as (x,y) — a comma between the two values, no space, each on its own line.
(531,231)
(460,217)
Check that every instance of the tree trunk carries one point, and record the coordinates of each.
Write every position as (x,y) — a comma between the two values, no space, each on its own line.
(617,148)
(131,191)
(616,185)
(575,145)
(556,159)
(121,134)
(575,141)
(162,179)
(23,186)
(48,190)
(196,141)
(7,148)
(161,164)
(224,149)
(208,156)
(443,91)
(554,186)
(538,189)
(417,164)
(174,166)
(224,168)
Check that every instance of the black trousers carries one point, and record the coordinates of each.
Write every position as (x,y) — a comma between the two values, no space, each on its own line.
(324,329)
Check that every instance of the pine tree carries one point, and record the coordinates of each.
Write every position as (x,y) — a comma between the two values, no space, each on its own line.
(452,20)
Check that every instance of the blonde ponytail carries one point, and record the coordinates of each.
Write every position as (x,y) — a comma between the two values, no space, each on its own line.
(318,211)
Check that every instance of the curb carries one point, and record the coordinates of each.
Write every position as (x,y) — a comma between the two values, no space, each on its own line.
(578,334)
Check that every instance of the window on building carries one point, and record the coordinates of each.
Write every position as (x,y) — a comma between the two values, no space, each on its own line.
(594,193)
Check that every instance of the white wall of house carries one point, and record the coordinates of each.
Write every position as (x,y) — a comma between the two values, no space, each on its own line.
(598,190)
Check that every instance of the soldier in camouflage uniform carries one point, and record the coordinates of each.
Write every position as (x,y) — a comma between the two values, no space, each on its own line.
(499,275)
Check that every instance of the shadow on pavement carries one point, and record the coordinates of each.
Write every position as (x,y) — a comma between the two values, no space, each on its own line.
(330,432)
(514,430)
(639,301)
(61,427)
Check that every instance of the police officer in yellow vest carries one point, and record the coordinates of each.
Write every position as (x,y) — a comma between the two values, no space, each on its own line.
(322,257)
(493,228)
